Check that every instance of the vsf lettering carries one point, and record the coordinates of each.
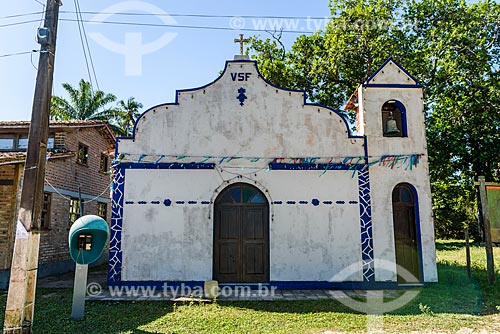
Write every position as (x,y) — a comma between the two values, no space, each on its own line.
(240,76)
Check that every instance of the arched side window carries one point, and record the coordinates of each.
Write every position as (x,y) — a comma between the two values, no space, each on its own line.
(394,119)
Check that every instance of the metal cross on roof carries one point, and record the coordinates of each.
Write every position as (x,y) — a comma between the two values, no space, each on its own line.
(241,40)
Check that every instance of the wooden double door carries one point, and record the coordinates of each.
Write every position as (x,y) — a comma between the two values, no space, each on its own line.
(405,233)
(241,235)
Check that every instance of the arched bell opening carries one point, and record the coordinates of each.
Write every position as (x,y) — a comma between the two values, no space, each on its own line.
(394,119)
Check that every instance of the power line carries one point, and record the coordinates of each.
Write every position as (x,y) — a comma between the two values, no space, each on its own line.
(83,46)
(79,14)
(18,23)
(187,26)
(206,15)
(20,15)
(17,53)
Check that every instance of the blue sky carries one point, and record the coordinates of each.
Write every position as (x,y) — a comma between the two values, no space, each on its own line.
(178,58)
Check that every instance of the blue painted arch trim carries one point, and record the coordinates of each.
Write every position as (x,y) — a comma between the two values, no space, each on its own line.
(404,118)
(167,165)
(391,86)
(177,92)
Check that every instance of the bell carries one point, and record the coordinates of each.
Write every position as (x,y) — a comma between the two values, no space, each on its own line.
(391,126)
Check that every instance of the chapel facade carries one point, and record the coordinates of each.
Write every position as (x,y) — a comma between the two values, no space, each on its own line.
(241,181)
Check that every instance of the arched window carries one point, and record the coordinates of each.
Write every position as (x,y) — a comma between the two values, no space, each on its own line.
(394,119)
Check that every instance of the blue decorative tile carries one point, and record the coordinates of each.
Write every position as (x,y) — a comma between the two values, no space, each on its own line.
(315,202)
(115,251)
(365,217)
(167,202)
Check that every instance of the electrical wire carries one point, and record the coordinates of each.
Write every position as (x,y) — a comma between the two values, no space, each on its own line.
(190,15)
(83,47)
(77,4)
(21,15)
(18,23)
(31,59)
(69,198)
(204,15)
(186,26)
(18,53)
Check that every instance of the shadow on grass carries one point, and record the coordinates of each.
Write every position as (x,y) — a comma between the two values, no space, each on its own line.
(454,293)
(452,245)
(53,314)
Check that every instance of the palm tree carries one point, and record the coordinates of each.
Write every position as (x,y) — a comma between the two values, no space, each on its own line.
(128,114)
(83,104)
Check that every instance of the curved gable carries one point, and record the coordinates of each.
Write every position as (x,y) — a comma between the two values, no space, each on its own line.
(241,114)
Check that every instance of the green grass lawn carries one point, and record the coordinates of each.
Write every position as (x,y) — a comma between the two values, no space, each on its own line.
(454,305)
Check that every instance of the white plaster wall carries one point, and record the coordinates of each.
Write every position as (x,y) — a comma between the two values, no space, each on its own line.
(167,242)
(384,181)
(271,123)
(314,243)
(391,74)
(307,243)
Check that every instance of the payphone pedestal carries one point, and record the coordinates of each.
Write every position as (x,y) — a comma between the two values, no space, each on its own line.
(79,291)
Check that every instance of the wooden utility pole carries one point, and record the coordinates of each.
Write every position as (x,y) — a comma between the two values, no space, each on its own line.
(22,286)
(490,266)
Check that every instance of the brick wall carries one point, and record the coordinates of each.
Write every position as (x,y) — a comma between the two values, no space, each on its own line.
(8,196)
(67,174)
(62,173)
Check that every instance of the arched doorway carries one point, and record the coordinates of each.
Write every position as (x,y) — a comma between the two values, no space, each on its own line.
(241,235)
(404,213)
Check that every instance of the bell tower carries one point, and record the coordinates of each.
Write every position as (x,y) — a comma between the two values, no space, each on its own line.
(390,111)
(390,115)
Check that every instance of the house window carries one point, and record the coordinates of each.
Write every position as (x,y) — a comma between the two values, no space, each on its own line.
(6,144)
(74,209)
(83,154)
(102,210)
(394,119)
(22,142)
(50,143)
(103,167)
(45,221)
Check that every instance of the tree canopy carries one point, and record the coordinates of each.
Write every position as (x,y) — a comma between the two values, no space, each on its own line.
(86,104)
(451,46)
